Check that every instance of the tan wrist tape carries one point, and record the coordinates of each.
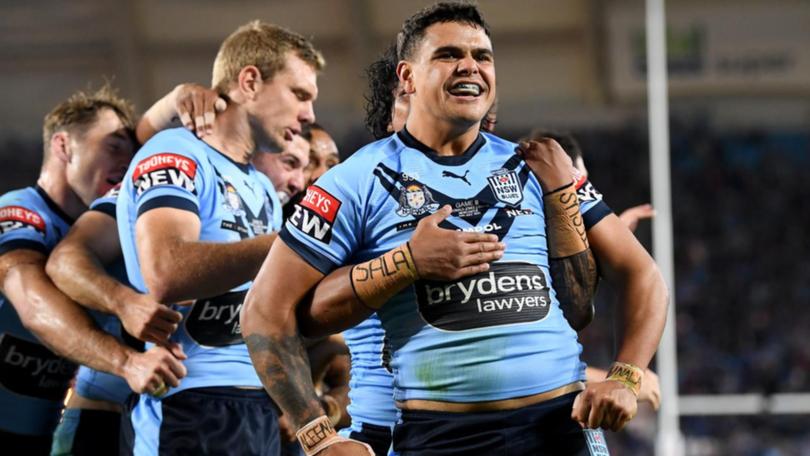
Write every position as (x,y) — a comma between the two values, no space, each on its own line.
(317,435)
(565,227)
(626,374)
(378,280)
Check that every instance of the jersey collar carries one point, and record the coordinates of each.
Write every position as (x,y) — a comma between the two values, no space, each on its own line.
(53,206)
(453,160)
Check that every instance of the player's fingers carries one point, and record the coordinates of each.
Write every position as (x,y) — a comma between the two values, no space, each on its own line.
(472,238)
(483,247)
(176,349)
(164,327)
(156,336)
(472,270)
(595,417)
(167,375)
(208,118)
(580,409)
(169,315)
(439,216)
(176,367)
(479,258)
(220,104)
(185,117)
(197,111)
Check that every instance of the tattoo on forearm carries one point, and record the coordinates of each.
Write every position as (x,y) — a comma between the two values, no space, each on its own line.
(283,368)
(575,279)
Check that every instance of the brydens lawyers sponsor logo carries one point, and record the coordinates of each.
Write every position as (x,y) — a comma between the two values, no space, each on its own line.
(15,217)
(30,369)
(165,169)
(214,322)
(508,293)
(316,213)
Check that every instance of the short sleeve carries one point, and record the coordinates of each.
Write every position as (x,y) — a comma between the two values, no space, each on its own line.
(106,203)
(591,204)
(326,225)
(22,227)
(167,175)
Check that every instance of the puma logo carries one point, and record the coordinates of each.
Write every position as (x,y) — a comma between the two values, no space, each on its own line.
(456,176)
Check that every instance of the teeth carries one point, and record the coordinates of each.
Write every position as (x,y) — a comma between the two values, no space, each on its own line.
(466,89)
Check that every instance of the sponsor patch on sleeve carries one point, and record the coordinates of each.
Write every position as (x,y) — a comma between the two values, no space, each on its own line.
(316,213)
(18,217)
(165,169)
(586,192)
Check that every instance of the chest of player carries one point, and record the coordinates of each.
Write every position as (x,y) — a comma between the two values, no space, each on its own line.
(493,195)
(239,207)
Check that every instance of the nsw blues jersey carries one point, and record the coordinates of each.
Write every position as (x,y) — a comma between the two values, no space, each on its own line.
(372,385)
(491,336)
(33,380)
(233,202)
(91,383)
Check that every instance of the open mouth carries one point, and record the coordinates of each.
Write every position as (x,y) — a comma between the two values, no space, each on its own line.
(466,89)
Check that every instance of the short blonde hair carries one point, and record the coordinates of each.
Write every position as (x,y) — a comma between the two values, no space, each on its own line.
(264,46)
(81,109)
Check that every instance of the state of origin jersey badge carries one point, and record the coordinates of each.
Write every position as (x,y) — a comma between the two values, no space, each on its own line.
(506,186)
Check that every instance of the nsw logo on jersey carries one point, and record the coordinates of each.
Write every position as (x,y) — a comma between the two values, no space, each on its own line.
(508,293)
(18,217)
(165,169)
(506,186)
(316,213)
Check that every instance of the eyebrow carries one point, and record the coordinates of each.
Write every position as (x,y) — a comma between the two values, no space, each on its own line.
(454,49)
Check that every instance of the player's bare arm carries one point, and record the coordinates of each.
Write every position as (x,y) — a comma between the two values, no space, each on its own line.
(438,254)
(176,266)
(77,265)
(571,262)
(68,330)
(626,264)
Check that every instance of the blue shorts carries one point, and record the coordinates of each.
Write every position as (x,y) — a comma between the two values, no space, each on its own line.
(86,432)
(541,429)
(378,437)
(203,421)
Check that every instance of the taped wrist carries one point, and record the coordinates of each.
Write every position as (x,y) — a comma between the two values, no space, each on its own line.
(626,374)
(317,435)
(565,226)
(378,280)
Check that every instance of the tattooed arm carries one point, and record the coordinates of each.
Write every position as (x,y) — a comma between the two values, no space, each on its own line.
(572,265)
(271,333)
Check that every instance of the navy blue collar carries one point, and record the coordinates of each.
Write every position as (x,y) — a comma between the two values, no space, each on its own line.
(53,206)
(452,160)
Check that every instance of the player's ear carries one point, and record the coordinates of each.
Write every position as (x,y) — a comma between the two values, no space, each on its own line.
(249,81)
(60,146)
(405,75)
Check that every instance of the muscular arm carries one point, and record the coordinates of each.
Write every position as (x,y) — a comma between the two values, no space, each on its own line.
(77,264)
(270,331)
(627,265)
(176,266)
(58,322)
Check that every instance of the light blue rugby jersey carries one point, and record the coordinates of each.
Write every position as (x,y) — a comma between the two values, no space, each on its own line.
(233,201)
(91,383)
(371,388)
(493,336)
(33,380)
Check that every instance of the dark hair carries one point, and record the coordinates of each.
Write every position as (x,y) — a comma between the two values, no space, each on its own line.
(382,82)
(564,138)
(308,128)
(413,29)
